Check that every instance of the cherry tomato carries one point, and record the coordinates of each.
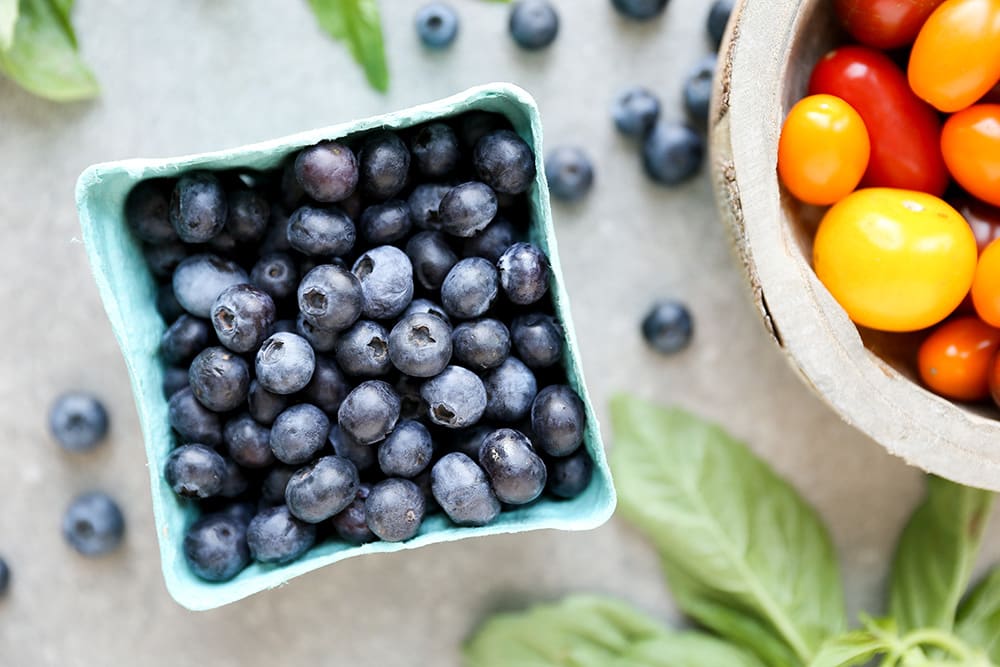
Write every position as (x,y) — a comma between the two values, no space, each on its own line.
(956,58)
(983,219)
(955,361)
(823,150)
(884,24)
(986,286)
(970,142)
(895,260)
(905,131)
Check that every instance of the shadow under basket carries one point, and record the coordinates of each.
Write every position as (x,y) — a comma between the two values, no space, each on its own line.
(128,291)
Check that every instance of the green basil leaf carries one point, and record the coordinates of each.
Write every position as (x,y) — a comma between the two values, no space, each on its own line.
(979,617)
(43,57)
(8,18)
(357,23)
(935,555)
(582,631)
(852,648)
(687,649)
(721,516)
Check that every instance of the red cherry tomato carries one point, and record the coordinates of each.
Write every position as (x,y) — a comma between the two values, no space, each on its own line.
(982,218)
(904,130)
(955,361)
(884,24)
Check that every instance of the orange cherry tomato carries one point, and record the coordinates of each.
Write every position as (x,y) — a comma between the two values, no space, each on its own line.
(955,361)
(970,142)
(956,57)
(823,150)
(986,285)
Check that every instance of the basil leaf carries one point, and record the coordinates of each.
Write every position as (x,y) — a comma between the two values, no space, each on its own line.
(8,18)
(852,648)
(43,57)
(935,555)
(979,617)
(741,535)
(687,649)
(357,23)
(581,631)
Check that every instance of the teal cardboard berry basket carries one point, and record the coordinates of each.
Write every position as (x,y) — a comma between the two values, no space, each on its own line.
(128,291)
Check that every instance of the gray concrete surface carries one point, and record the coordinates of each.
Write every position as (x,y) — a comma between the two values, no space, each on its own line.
(189,76)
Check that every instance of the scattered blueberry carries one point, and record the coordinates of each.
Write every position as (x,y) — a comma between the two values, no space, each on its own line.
(327,172)
(328,387)
(215,547)
(470,288)
(324,231)
(385,223)
(467,209)
(435,150)
(265,406)
(351,524)
(395,509)
(93,524)
(322,489)
(672,153)
(275,536)
(407,451)
(516,473)
(437,25)
(534,24)
(386,278)
(330,297)
(668,327)
(569,172)
(275,274)
(640,10)
(481,344)
(370,412)
(363,350)
(492,241)
(524,273)
(285,363)
(558,420)
(322,340)
(184,339)
(195,471)
(510,389)
(363,457)
(78,421)
(249,213)
(420,345)
(248,443)
(698,91)
(538,339)
(242,317)
(503,160)
(220,379)
(718,17)
(462,490)
(455,399)
(198,207)
(424,202)
(570,476)
(192,420)
(147,211)
(199,280)
(431,257)
(385,164)
(298,433)
(635,111)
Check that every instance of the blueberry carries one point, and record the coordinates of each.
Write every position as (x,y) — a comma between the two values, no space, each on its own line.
(363,350)
(492,241)
(420,345)
(570,476)
(192,420)
(78,421)
(93,524)
(240,511)
(322,489)
(235,482)
(510,389)
(322,340)
(395,509)
(370,412)
(328,387)
(407,451)
(275,274)
(285,363)
(362,456)
(275,536)
(222,244)
(672,153)
(167,304)
(435,150)
(437,25)
(215,548)
(431,257)
(220,379)
(698,91)
(386,278)
(467,209)
(516,473)
(569,172)
(668,327)
(412,404)
(474,125)
(276,236)
(538,339)
(351,524)
(385,164)
(469,440)
(272,488)
(264,405)
(461,489)
(198,207)
(195,471)
(385,223)
(330,297)
(185,338)
(328,172)
(248,443)
(640,10)
(426,306)
(635,111)
(534,24)
(175,378)
(164,258)
(298,433)
(524,273)
(321,231)
(503,160)
(424,202)
(284,326)
(242,317)
(455,399)
(249,213)
(558,420)
(718,18)
(481,344)
(147,211)
(4,577)
(199,280)
(470,288)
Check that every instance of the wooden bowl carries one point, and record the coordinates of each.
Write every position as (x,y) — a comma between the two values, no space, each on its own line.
(868,377)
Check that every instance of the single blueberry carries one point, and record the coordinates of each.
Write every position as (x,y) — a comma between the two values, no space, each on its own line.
(424,202)
(504,161)
(363,350)
(215,547)
(718,18)
(78,421)
(195,471)
(147,211)
(198,207)
(249,213)
(570,476)
(167,304)
(467,209)
(462,490)
(235,482)
(481,344)
(298,433)
(469,440)
(175,378)
(93,524)
(435,150)
(370,412)
(470,288)
(220,379)
(698,91)
(395,509)
(328,387)
(265,406)
(635,111)
(431,257)
(321,231)
(437,25)
(275,536)
(285,363)
(426,306)
(407,451)
(275,274)
(524,273)
(516,473)
(248,443)
(322,340)
(164,258)
(558,420)
(322,489)
(386,278)
(640,10)
(492,241)
(272,488)
(350,524)
(4,577)
(184,339)
(327,172)
(242,317)
(455,399)
(330,297)
(385,164)
(538,339)
(363,457)
(569,172)
(672,153)
(668,327)
(534,24)
(510,389)
(387,222)
(192,420)
(420,345)
(199,280)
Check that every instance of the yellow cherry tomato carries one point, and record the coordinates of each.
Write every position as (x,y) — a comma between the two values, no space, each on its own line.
(824,149)
(896,260)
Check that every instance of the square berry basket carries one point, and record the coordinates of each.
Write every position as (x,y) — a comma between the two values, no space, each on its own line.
(128,291)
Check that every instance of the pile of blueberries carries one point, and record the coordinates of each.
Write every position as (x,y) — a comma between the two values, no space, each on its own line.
(358,340)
